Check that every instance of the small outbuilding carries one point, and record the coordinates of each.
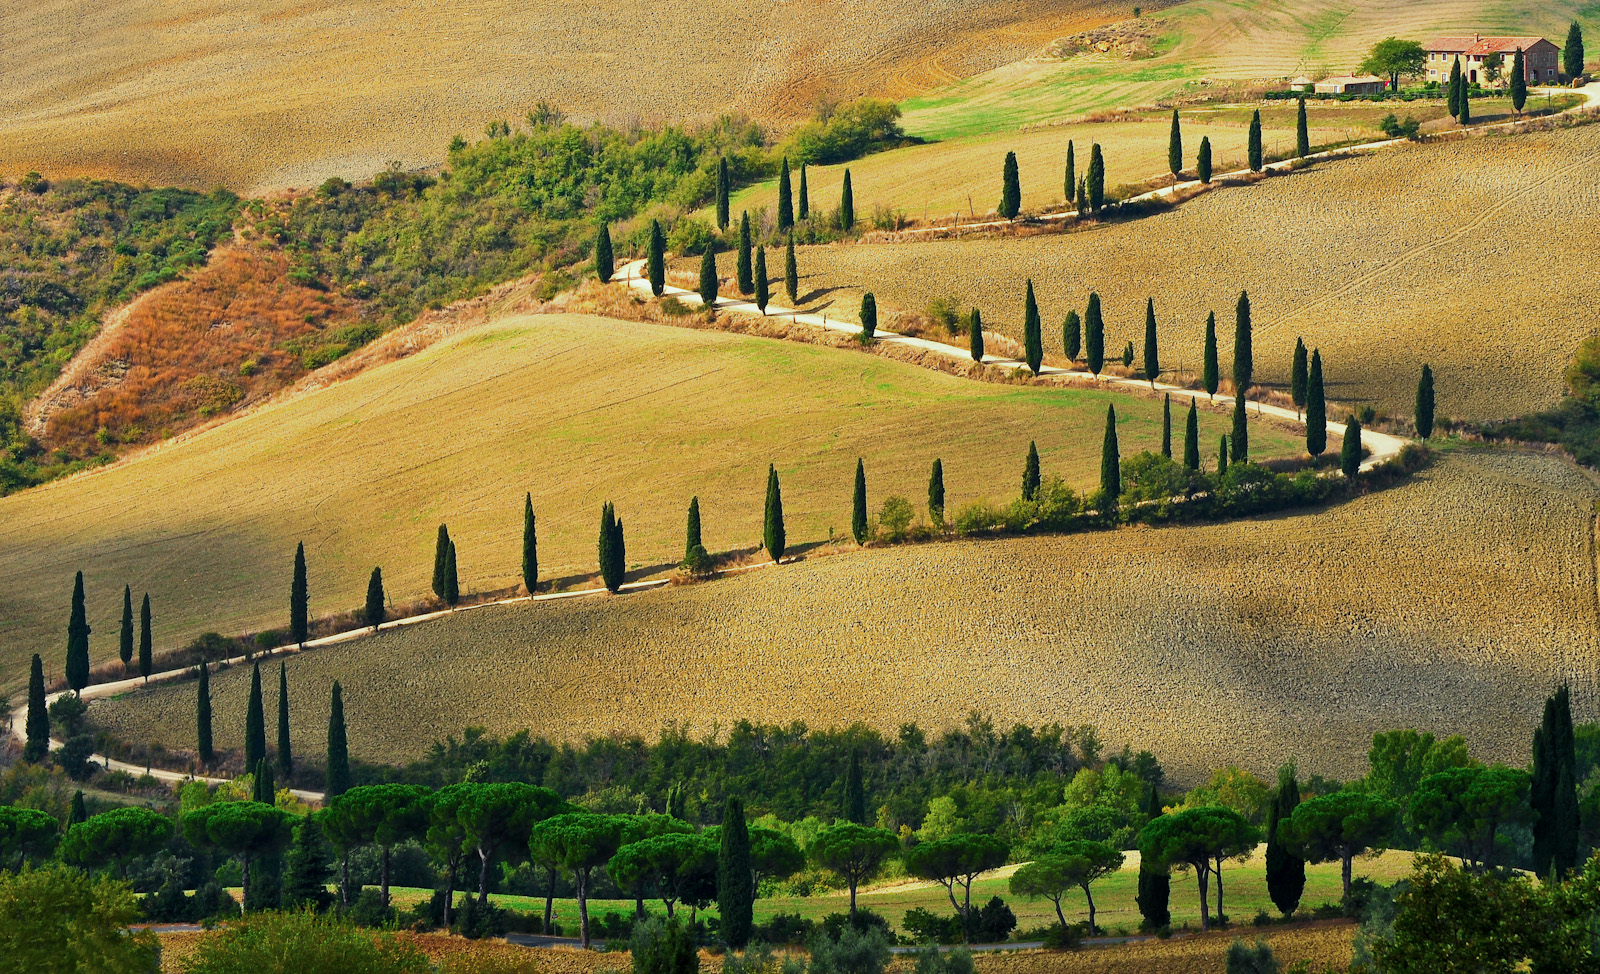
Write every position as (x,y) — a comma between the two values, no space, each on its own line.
(1301,83)
(1351,85)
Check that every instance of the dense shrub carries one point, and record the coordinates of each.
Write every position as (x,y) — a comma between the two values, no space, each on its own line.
(847,132)
(59,920)
(925,926)
(305,943)
(663,946)
(852,950)
(785,929)
(994,922)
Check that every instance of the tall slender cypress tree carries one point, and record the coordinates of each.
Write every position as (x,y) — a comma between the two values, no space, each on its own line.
(858,504)
(1202,163)
(1454,91)
(1072,336)
(1111,459)
(37,747)
(1191,438)
(607,541)
(146,640)
(791,273)
(1010,189)
(79,813)
(1152,356)
(855,791)
(745,269)
(202,716)
(1069,187)
(1166,426)
(619,553)
(804,212)
(1244,359)
(1302,134)
(1083,197)
(772,534)
(762,294)
(936,492)
(1094,328)
(1222,456)
(724,188)
(656,261)
(785,198)
(1316,408)
(691,532)
(1424,412)
(1239,442)
(1175,147)
(1572,57)
(452,581)
(1254,148)
(1554,797)
(1286,871)
(263,789)
(255,722)
(125,636)
(869,317)
(1032,337)
(1031,473)
(530,545)
(1464,103)
(604,263)
(1155,880)
(709,283)
(374,612)
(1519,82)
(299,599)
(78,639)
(735,881)
(1299,376)
(1210,373)
(847,205)
(441,560)
(975,335)
(285,748)
(1350,448)
(1097,178)
(337,781)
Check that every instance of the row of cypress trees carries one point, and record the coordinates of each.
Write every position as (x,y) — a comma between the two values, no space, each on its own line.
(78,631)
(257,761)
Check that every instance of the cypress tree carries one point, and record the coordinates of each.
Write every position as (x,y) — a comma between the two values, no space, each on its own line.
(1202,164)
(735,882)
(1094,335)
(1244,359)
(1191,439)
(1032,338)
(308,868)
(1350,448)
(1286,872)
(744,270)
(1572,59)
(338,776)
(374,612)
(1425,403)
(1302,135)
(146,640)
(657,259)
(762,294)
(1155,882)
(1097,179)
(975,335)
(1175,148)
(858,504)
(1083,197)
(1072,336)
(441,560)
(1152,357)
(1010,189)
(1070,185)
(1030,473)
(791,273)
(723,189)
(691,533)
(452,582)
(37,747)
(1519,82)
(255,722)
(785,198)
(1465,103)
(1553,796)
(1222,456)
(619,552)
(604,264)
(1316,409)
(79,812)
(772,534)
(1239,442)
(708,277)
(847,205)
(1111,459)
(1298,376)
(78,639)
(125,640)
(1210,373)
(607,542)
(285,749)
(263,789)
(299,609)
(869,317)
(936,492)
(1127,355)
(1256,159)
(805,196)
(1454,91)
(1166,426)
(202,716)
(530,545)
(855,792)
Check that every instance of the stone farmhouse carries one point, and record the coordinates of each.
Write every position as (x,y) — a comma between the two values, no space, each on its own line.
(1540,58)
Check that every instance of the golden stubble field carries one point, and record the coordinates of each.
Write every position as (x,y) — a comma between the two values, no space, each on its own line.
(1473,256)
(1451,603)
(575,409)
(261,94)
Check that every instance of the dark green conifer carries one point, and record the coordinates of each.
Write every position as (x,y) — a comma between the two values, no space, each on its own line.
(1299,376)
(1256,159)
(604,264)
(1032,336)
(125,635)
(1166,426)
(452,581)
(1083,197)
(1286,871)
(724,189)
(1152,357)
(1557,818)
(146,640)
(869,317)
(1111,459)
(1202,163)
(1210,372)
(202,716)
(785,198)
(299,599)
(337,781)
(858,504)
(1070,185)
(263,788)
(1316,408)
(1302,135)
(1191,438)
(1350,448)
(791,273)
(1424,412)
(609,575)
(1222,456)
(1239,442)
(308,868)
(656,262)
(1010,189)
(255,722)
(1097,179)
(805,196)
(530,545)
(1127,355)
(1030,473)
(1572,59)
(1175,147)
(1094,335)
(37,747)
(772,534)
(975,335)
(441,560)
(936,492)
(745,269)
(285,749)
(374,612)
(847,205)
(1464,103)
(735,881)
(708,277)
(762,294)
(1519,82)
(1072,336)
(1244,359)
(78,639)
(855,791)
(1154,894)
(691,533)
(79,812)
(1453,94)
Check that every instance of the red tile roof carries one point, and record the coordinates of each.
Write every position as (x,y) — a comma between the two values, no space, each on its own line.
(1475,44)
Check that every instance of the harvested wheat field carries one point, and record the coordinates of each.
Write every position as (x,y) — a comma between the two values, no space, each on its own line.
(1473,256)
(578,410)
(1451,602)
(261,94)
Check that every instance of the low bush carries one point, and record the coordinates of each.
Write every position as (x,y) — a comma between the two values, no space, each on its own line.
(789,929)
(305,943)
(932,960)
(927,927)
(993,924)
(663,946)
(852,950)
